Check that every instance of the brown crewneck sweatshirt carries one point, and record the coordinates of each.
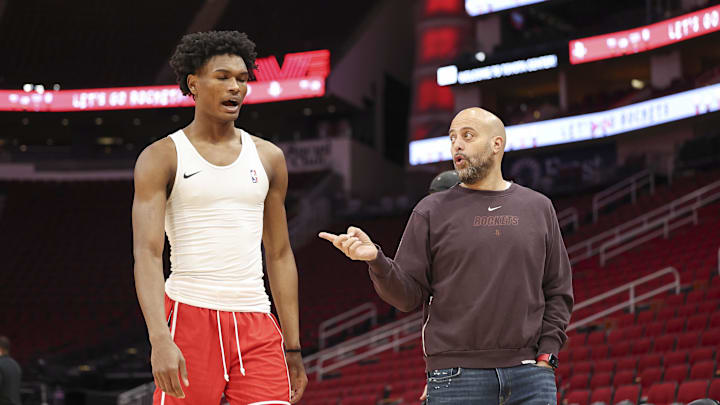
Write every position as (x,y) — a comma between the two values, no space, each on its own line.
(491,271)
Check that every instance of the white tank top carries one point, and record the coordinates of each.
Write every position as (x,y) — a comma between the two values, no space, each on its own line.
(214,221)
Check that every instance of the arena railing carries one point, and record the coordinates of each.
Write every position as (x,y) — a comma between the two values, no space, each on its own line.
(569,216)
(632,300)
(393,335)
(390,336)
(629,186)
(346,320)
(140,395)
(591,247)
(676,218)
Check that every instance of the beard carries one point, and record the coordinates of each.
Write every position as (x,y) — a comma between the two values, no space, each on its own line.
(475,170)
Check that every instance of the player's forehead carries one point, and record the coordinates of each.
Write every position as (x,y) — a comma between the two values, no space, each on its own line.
(233,64)
(460,124)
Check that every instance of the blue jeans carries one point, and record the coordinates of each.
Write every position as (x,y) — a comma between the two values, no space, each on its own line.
(522,385)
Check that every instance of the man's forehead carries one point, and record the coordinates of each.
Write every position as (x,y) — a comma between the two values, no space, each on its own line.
(226,62)
(464,122)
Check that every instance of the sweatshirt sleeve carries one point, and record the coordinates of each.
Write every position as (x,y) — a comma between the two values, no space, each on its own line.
(557,288)
(404,282)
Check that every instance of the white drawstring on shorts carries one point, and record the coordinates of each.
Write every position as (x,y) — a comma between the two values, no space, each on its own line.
(222,349)
(242,369)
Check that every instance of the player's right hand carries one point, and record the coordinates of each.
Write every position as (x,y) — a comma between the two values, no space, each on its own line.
(168,364)
(356,244)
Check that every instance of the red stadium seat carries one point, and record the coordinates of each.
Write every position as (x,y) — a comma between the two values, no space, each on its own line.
(627,393)
(675,325)
(650,376)
(596,338)
(645,317)
(603,394)
(707,307)
(713,293)
(655,329)
(688,340)
(665,343)
(617,335)
(714,390)
(662,393)
(599,380)
(666,313)
(580,354)
(675,300)
(600,352)
(579,397)
(702,370)
(692,390)
(605,366)
(625,320)
(642,346)
(697,322)
(579,381)
(710,337)
(701,354)
(584,367)
(687,310)
(624,377)
(649,360)
(634,332)
(696,296)
(621,349)
(626,363)
(715,320)
(677,373)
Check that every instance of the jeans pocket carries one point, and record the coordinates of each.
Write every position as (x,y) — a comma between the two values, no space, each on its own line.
(444,374)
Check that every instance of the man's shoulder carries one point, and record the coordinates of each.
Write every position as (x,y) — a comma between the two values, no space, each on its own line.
(265,147)
(532,197)
(433,201)
(161,147)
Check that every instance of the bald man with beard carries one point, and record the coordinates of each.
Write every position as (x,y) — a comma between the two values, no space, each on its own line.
(487,262)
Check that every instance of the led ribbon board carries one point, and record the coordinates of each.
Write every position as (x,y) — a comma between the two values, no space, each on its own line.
(645,38)
(301,76)
(447,75)
(479,7)
(587,126)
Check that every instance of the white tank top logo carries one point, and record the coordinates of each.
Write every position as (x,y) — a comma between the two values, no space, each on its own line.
(214,221)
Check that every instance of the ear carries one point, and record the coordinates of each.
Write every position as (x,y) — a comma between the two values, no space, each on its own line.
(498,145)
(192,83)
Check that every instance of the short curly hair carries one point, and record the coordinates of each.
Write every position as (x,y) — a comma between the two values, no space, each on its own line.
(194,50)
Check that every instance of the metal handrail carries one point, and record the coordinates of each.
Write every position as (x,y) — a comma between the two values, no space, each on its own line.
(632,300)
(569,216)
(590,247)
(619,190)
(140,395)
(391,336)
(313,362)
(666,228)
(352,317)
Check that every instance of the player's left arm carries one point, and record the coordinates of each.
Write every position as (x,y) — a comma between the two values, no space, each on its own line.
(557,289)
(281,267)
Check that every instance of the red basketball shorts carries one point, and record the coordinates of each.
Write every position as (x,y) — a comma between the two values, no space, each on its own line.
(239,354)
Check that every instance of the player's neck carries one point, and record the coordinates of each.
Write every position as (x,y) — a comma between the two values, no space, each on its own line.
(211,130)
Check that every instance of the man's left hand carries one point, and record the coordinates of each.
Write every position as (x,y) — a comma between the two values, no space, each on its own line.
(544,364)
(298,378)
